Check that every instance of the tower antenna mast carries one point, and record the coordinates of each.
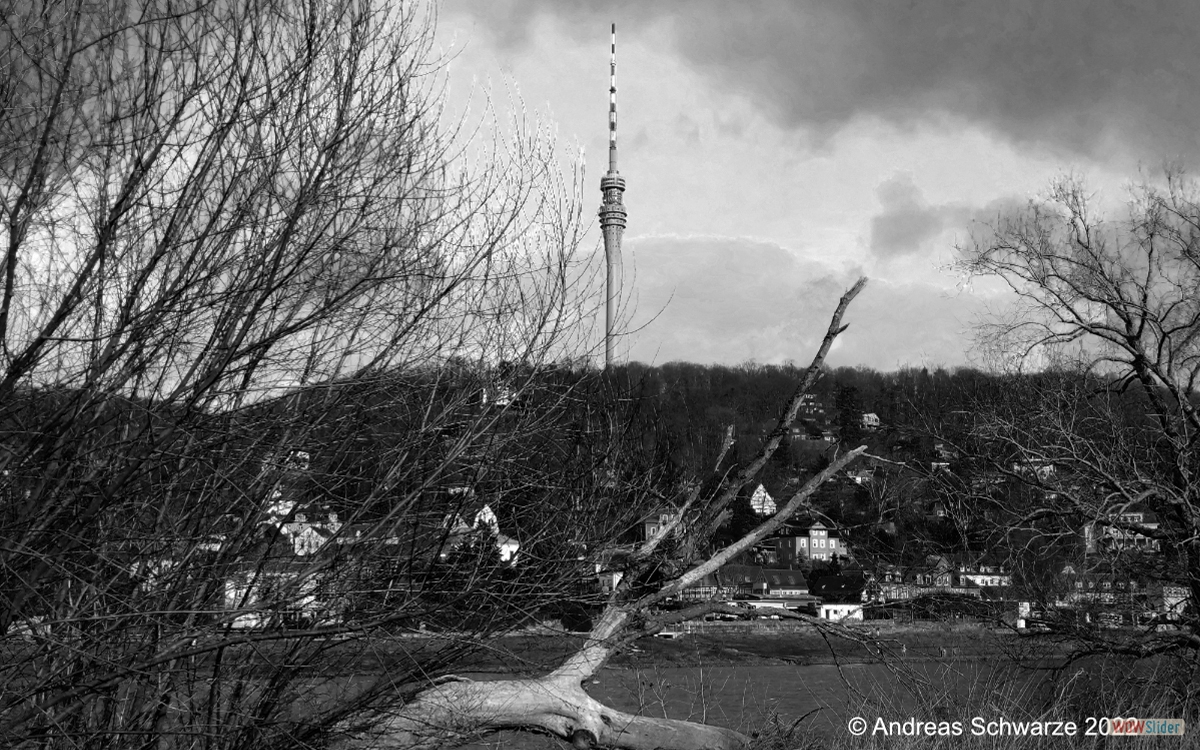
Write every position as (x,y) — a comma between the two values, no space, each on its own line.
(612,209)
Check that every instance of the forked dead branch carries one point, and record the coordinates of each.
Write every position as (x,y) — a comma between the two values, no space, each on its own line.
(557,703)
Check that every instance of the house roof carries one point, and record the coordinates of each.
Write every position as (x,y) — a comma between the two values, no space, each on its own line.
(778,578)
(707,581)
(935,564)
(655,513)
(736,574)
(1148,516)
(973,561)
(740,575)
(762,502)
(802,528)
(838,588)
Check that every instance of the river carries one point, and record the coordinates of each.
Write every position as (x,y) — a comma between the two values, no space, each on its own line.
(822,696)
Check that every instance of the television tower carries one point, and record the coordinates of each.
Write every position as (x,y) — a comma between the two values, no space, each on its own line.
(612,210)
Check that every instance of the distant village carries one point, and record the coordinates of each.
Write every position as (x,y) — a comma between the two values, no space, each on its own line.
(810,565)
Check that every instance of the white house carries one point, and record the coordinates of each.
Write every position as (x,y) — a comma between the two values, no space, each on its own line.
(841,612)
(508,548)
(860,476)
(1123,531)
(762,502)
(256,597)
(813,543)
(655,522)
(1172,600)
(308,537)
(1041,469)
(484,521)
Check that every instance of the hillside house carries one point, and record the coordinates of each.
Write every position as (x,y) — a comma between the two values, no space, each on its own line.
(936,572)
(652,523)
(1110,594)
(741,581)
(889,584)
(309,537)
(1040,469)
(749,581)
(944,452)
(762,503)
(279,592)
(484,523)
(785,583)
(708,587)
(815,542)
(979,573)
(1128,531)
(811,408)
(861,476)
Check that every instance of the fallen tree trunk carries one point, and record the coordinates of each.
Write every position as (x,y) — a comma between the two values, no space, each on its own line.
(461,710)
(458,710)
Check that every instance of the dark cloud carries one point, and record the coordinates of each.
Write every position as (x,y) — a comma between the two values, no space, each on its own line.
(1079,75)
(733,300)
(907,220)
(980,223)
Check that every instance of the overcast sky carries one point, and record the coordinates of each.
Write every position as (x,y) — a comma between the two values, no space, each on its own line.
(773,151)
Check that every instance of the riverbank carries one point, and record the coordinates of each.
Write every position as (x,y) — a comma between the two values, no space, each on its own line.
(540,650)
(761,643)
(803,644)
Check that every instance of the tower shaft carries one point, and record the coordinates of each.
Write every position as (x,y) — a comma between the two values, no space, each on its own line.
(612,209)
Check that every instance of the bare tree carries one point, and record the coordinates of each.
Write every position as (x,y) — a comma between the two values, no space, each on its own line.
(283,385)
(1091,421)
(246,272)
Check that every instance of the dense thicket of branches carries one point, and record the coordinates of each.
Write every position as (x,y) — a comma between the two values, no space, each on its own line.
(247,282)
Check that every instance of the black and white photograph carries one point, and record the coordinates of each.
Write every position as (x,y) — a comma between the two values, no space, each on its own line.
(649,375)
